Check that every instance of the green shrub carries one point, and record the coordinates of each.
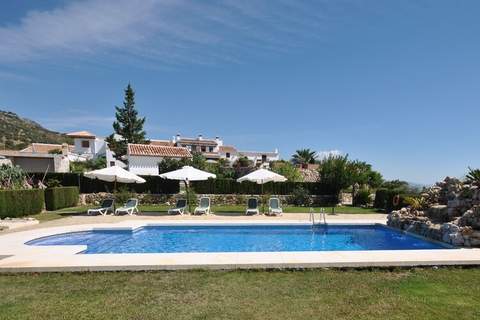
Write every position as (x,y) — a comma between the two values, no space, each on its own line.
(300,197)
(384,199)
(122,195)
(362,198)
(19,203)
(231,186)
(61,197)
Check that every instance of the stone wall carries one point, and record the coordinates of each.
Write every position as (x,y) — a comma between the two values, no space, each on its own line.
(451,214)
(217,199)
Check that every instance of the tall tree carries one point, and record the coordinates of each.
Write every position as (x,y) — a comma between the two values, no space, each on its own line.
(287,170)
(128,125)
(304,156)
(335,173)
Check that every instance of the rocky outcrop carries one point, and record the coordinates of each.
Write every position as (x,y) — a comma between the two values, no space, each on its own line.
(452,214)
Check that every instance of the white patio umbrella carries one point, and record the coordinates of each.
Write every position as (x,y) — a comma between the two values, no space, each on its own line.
(262,176)
(188,174)
(114,174)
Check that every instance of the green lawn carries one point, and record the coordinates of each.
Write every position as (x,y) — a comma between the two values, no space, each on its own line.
(62,213)
(315,294)
(241,209)
(220,210)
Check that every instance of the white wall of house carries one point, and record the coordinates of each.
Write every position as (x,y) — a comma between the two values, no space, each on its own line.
(144,165)
(80,148)
(100,148)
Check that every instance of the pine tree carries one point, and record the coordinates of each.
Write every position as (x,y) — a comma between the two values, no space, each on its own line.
(127,124)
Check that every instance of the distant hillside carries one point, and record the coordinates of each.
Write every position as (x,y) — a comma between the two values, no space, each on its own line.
(16,133)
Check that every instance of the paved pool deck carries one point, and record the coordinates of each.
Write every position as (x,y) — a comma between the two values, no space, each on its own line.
(15,256)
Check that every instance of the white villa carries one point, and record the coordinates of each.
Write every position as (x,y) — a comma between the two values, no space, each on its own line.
(143,159)
(87,146)
(47,157)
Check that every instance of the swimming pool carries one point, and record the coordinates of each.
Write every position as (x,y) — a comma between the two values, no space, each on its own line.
(240,238)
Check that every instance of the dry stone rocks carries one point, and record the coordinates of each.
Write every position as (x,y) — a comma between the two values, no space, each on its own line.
(452,216)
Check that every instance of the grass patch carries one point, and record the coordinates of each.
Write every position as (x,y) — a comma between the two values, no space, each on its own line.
(313,294)
(220,210)
(62,213)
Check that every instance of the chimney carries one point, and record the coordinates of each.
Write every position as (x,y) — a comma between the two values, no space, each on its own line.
(64,149)
(200,137)
(177,137)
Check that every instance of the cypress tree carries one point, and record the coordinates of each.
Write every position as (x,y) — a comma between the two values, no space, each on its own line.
(128,125)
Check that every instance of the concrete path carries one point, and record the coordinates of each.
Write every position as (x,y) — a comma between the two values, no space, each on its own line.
(15,256)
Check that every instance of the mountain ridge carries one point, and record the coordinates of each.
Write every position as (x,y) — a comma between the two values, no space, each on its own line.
(17,133)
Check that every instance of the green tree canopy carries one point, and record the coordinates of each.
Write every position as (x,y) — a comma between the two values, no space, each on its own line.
(127,124)
(363,175)
(335,173)
(288,170)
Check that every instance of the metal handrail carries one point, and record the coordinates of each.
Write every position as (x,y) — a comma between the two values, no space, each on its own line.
(322,216)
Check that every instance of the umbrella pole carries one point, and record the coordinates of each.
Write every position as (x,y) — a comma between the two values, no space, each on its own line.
(114,190)
(263,202)
(188,198)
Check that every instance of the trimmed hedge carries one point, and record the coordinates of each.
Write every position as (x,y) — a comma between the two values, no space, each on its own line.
(231,186)
(153,184)
(19,203)
(61,197)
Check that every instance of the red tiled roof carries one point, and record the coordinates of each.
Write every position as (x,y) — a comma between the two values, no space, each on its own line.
(204,142)
(81,134)
(166,143)
(158,151)
(225,149)
(45,147)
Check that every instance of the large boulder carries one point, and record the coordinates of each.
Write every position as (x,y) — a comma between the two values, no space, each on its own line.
(438,213)
(471,218)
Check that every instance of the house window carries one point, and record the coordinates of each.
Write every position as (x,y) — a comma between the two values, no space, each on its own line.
(112,163)
(210,149)
(85,144)
(264,158)
(227,154)
(204,149)
(194,148)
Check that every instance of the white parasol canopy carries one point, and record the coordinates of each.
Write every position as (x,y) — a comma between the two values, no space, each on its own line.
(114,174)
(188,173)
(262,176)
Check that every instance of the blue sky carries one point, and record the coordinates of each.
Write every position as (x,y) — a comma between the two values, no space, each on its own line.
(394,83)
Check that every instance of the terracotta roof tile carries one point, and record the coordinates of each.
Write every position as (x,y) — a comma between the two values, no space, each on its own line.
(166,143)
(158,151)
(45,147)
(225,149)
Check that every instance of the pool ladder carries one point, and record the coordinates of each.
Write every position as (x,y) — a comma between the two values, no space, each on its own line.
(322,216)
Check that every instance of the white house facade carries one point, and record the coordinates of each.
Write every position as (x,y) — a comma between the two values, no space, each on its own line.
(144,159)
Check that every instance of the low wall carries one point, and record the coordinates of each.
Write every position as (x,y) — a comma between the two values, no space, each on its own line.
(217,199)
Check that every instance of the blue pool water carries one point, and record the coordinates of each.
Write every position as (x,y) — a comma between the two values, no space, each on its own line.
(244,238)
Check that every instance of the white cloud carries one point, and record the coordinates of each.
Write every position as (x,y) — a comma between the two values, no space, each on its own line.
(161,32)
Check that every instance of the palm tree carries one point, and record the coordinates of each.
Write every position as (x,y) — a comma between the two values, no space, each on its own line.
(473,176)
(304,156)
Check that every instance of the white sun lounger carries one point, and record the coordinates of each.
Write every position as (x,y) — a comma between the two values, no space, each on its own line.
(274,208)
(105,207)
(252,207)
(130,207)
(204,207)
(179,207)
